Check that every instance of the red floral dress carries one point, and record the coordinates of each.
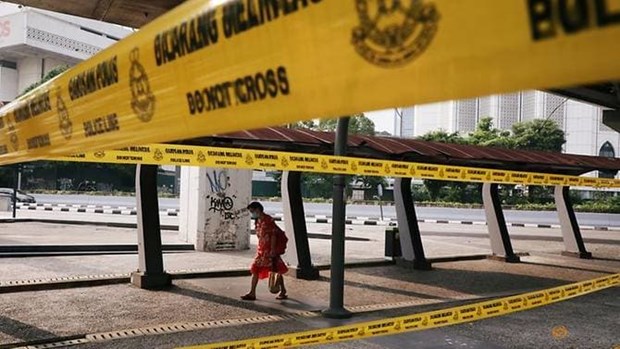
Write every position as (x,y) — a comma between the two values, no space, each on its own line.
(266,230)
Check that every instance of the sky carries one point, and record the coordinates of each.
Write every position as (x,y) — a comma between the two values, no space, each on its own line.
(383,119)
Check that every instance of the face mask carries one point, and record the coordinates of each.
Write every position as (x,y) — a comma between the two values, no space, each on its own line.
(254,215)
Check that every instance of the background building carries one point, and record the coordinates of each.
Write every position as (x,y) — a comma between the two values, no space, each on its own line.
(582,122)
(33,42)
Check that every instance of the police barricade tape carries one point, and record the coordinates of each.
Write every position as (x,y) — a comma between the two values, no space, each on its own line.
(423,321)
(167,154)
(210,67)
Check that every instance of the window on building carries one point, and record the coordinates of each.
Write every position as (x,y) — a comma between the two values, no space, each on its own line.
(8,64)
(607,151)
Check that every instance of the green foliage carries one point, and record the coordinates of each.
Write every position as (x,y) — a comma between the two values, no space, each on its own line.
(489,136)
(317,185)
(531,135)
(538,134)
(307,124)
(359,124)
(49,76)
(443,137)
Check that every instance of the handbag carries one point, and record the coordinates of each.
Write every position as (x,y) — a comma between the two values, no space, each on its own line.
(274,287)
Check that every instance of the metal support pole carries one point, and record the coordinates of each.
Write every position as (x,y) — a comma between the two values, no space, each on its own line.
(496,224)
(15,188)
(151,274)
(573,242)
(295,221)
(336,308)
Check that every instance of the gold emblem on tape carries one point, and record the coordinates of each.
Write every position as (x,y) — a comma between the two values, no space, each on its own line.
(13,138)
(391,34)
(559,332)
(64,122)
(284,161)
(99,154)
(201,157)
(142,98)
(353,166)
(158,156)
(324,164)
(249,160)
(387,168)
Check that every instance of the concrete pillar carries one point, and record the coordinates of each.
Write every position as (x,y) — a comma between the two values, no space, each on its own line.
(573,242)
(408,229)
(298,251)
(213,208)
(150,274)
(496,224)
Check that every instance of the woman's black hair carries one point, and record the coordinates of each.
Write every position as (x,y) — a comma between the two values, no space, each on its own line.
(256,206)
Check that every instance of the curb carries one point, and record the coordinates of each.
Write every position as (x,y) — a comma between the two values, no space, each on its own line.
(320,219)
(89,209)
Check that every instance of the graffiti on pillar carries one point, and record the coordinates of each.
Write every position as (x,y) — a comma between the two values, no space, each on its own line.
(223,205)
(219,181)
(219,201)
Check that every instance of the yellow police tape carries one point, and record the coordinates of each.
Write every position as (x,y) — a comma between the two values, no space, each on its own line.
(423,321)
(167,154)
(215,66)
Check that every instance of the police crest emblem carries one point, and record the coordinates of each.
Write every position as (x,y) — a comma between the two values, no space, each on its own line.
(64,122)
(158,156)
(13,137)
(142,98)
(392,33)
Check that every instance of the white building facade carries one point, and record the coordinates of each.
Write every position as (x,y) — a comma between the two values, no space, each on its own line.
(585,132)
(33,42)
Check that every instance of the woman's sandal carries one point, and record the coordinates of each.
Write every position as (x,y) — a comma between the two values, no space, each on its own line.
(248,297)
(282,297)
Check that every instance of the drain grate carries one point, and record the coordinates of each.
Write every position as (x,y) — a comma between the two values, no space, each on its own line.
(192,326)
(62,279)
(59,344)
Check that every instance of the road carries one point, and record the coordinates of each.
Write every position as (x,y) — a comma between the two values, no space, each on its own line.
(512,216)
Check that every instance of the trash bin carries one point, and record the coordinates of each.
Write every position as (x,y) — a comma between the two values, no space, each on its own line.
(5,202)
(392,243)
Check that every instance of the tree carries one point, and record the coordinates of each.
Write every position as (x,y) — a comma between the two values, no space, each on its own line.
(435,187)
(542,135)
(443,137)
(538,134)
(306,124)
(359,124)
(488,136)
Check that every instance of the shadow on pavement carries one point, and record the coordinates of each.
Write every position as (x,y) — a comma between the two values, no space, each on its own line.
(384,289)
(23,331)
(465,281)
(275,308)
(566,267)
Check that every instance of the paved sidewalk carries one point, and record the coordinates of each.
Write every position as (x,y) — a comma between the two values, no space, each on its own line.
(49,315)
(53,314)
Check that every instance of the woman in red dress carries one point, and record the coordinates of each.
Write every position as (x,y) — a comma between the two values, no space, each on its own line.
(266,260)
